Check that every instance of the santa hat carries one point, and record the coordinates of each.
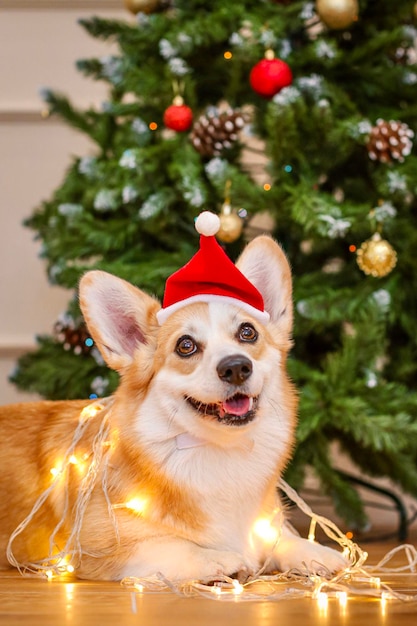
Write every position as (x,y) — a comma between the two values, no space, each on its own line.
(210,276)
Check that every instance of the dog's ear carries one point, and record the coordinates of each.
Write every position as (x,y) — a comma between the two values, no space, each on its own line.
(119,316)
(264,263)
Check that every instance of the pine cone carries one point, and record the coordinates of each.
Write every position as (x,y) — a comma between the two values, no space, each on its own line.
(389,140)
(212,133)
(75,338)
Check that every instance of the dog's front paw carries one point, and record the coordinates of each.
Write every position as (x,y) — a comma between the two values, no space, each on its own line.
(321,559)
(222,563)
(179,560)
(308,557)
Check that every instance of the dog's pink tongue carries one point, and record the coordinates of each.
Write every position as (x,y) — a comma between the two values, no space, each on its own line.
(238,405)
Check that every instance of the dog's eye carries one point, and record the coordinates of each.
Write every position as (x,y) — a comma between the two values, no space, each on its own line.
(247,333)
(186,346)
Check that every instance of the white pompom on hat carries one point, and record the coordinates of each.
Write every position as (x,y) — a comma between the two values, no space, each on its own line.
(207,223)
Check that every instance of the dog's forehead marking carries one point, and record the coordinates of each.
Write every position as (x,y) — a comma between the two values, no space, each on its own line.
(227,317)
(218,320)
(194,320)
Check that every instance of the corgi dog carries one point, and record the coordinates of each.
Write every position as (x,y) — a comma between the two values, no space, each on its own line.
(202,426)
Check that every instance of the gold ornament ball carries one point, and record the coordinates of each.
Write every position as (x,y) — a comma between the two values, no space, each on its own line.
(376,257)
(141,6)
(230,227)
(337,14)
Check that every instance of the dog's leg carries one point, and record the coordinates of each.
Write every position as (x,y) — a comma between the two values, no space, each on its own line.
(178,559)
(293,551)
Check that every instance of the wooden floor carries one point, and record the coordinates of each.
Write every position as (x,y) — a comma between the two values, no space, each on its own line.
(34,602)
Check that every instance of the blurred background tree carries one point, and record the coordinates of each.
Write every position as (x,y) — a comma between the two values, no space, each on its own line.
(288,117)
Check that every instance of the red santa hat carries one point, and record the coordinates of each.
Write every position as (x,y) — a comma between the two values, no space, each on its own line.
(210,276)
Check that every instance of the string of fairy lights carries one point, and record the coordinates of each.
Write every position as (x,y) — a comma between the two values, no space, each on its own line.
(357,579)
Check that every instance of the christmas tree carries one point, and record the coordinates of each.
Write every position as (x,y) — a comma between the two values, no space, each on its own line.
(291,117)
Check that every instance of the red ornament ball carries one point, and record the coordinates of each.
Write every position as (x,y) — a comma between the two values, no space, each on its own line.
(178,117)
(269,76)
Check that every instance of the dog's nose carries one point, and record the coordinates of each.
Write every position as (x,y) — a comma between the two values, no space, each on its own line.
(234,369)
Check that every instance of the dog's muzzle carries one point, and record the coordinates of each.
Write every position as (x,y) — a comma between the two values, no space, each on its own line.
(239,408)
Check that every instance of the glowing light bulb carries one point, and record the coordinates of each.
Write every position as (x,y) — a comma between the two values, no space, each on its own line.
(63,565)
(76,462)
(312,531)
(216,590)
(322,601)
(384,597)
(346,553)
(267,187)
(57,469)
(89,411)
(49,574)
(137,505)
(237,587)
(111,442)
(263,529)
(228,55)
(139,587)
(342,597)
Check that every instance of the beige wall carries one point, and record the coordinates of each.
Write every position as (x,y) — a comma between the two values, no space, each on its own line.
(40,41)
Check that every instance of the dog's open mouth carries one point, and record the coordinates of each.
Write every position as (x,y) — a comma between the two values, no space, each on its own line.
(236,410)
